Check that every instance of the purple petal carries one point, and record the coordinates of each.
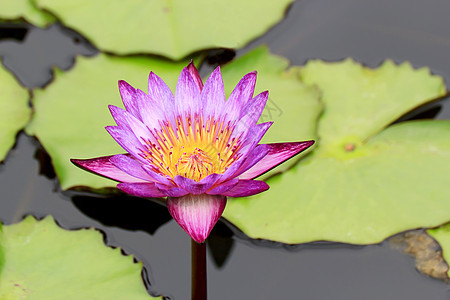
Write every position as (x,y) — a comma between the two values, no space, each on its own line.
(196,187)
(125,120)
(187,95)
(150,170)
(278,153)
(241,94)
(152,112)
(197,214)
(118,115)
(258,153)
(130,165)
(102,166)
(159,91)
(213,95)
(137,127)
(246,188)
(145,190)
(195,75)
(128,141)
(223,187)
(127,92)
(250,113)
(254,136)
(171,191)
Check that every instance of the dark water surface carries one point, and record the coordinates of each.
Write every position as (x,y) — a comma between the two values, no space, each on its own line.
(369,31)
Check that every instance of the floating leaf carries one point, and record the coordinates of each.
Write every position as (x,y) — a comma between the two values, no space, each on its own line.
(26,9)
(442,236)
(361,101)
(43,261)
(358,186)
(15,111)
(170,28)
(292,106)
(72,112)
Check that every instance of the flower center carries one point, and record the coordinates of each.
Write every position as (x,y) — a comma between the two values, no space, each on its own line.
(195,164)
(194,149)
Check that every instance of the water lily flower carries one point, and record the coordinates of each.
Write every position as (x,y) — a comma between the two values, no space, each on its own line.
(195,148)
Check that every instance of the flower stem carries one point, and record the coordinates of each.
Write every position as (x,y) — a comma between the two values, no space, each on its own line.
(198,271)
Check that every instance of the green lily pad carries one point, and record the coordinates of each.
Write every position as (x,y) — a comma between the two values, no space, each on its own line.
(15,111)
(24,9)
(442,236)
(170,28)
(361,101)
(43,261)
(357,186)
(72,112)
(292,106)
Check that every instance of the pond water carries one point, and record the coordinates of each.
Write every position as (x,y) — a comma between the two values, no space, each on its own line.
(239,268)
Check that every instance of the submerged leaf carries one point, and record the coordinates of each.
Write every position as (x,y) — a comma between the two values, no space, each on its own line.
(170,28)
(43,261)
(359,186)
(15,111)
(424,249)
(442,236)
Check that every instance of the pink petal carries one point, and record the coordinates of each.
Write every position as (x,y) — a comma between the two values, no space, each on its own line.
(157,177)
(256,155)
(152,112)
(223,187)
(278,153)
(127,92)
(195,75)
(253,137)
(241,94)
(171,191)
(127,140)
(145,190)
(246,188)
(103,166)
(247,149)
(194,187)
(130,166)
(118,115)
(187,95)
(213,95)
(137,127)
(159,91)
(197,214)
(250,113)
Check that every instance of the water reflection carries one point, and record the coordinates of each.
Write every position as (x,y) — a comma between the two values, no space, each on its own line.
(11,31)
(131,213)
(124,211)
(32,55)
(220,244)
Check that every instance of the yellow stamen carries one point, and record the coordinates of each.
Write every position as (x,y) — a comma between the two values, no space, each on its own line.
(193,149)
